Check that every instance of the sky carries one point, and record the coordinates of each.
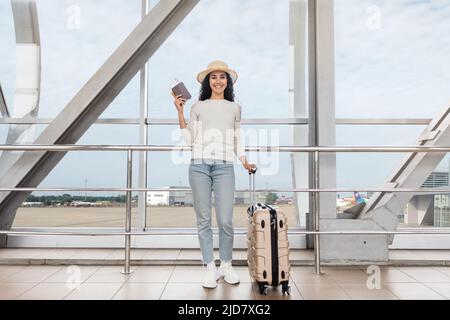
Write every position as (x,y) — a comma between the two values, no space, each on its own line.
(391,62)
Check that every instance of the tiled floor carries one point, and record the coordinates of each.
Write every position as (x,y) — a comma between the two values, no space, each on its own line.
(184,282)
(300,256)
(174,278)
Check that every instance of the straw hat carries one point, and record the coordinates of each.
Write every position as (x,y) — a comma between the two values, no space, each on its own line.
(217,66)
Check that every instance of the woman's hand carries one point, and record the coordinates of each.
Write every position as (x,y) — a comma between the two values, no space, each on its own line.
(179,102)
(249,166)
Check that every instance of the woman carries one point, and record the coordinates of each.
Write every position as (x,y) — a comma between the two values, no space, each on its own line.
(214,134)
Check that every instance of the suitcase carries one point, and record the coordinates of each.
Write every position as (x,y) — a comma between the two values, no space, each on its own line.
(268,246)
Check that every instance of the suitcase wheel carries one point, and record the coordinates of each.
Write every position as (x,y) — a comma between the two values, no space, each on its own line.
(285,288)
(263,288)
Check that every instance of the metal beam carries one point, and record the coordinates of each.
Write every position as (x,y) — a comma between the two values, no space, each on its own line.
(279,121)
(3,106)
(158,121)
(383,208)
(143,135)
(28,77)
(90,102)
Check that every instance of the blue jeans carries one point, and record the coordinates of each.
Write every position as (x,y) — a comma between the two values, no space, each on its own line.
(206,175)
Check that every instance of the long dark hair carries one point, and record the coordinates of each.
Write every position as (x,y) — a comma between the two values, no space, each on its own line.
(206,91)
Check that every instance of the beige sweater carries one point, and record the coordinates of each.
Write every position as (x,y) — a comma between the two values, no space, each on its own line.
(214,131)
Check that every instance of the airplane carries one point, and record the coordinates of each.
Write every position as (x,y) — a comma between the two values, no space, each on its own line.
(33,204)
(85,204)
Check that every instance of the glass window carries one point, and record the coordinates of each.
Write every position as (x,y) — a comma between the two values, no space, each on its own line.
(391,62)
(76,39)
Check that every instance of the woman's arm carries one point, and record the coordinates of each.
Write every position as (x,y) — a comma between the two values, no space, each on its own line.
(186,129)
(181,120)
(239,149)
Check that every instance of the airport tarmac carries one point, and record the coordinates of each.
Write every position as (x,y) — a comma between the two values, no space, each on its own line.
(157,216)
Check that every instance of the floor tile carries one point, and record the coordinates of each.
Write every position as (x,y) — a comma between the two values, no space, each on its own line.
(10,291)
(444,270)
(94,291)
(225,291)
(392,274)
(412,291)
(72,273)
(184,274)
(140,291)
(184,291)
(425,274)
(307,275)
(322,292)
(6,271)
(442,288)
(108,274)
(33,274)
(149,274)
(347,275)
(361,292)
(47,291)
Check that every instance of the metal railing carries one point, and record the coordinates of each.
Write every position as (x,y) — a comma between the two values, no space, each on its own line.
(316,190)
(260,121)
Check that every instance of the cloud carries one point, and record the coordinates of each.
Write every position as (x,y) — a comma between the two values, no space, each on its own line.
(71,56)
(399,70)
(251,41)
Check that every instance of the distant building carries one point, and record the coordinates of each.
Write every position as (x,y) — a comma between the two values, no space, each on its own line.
(436,179)
(430,209)
(442,210)
(33,204)
(441,201)
(185,198)
(180,198)
(285,200)
(158,198)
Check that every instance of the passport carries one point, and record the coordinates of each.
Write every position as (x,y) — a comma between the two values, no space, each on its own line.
(179,88)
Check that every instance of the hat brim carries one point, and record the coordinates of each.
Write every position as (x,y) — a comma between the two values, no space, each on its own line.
(202,75)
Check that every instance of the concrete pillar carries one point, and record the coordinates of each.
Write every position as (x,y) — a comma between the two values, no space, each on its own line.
(325,118)
(420,210)
(298,99)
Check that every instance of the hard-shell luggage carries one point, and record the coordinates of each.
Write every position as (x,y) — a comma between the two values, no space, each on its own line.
(268,246)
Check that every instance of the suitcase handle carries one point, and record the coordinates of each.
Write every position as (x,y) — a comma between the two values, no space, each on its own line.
(251,182)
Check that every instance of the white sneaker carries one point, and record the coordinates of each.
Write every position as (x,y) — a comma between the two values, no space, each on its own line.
(227,272)
(210,278)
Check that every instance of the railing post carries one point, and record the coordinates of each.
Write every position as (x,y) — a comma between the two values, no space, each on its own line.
(128,213)
(316,211)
